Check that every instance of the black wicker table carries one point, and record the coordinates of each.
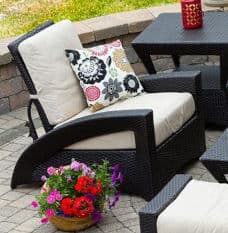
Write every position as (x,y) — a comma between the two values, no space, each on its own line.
(215,159)
(166,36)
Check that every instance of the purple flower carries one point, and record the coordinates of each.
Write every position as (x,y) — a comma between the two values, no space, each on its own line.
(50,212)
(51,171)
(34,204)
(44,220)
(96,216)
(120,177)
(85,169)
(113,179)
(75,166)
(90,196)
(69,179)
(92,174)
(43,178)
(116,198)
(50,199)
(116,168)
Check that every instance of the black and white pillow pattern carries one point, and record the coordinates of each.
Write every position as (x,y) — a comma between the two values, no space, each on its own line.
(105,74)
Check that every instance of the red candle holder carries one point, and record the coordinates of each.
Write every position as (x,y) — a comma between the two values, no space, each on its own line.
(192,15)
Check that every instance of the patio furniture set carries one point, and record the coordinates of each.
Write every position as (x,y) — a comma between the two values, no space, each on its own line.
(152,135)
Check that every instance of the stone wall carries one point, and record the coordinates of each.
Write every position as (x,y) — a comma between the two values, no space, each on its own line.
(124,26)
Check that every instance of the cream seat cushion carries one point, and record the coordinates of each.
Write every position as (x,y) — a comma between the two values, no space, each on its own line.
(44,56)
(171,111)
(201,207)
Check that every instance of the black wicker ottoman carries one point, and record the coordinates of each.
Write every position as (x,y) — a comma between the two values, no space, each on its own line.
(187,206)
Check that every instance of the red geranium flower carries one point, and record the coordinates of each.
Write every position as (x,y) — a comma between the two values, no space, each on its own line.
(67,206)
(83,207)
(84,184)
(95,190)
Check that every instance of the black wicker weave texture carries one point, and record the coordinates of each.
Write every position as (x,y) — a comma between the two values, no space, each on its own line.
(149,214)
(167,36)
(215,159)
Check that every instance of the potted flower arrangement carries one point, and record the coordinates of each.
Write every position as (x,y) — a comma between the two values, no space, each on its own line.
(73,197)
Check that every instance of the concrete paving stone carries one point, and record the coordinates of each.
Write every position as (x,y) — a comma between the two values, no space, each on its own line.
(136,199)
(13,147)
(131,222)
(2,130)
(23,140)
(21,216)
(8,211)
(2,180)
(2,122)
(45,228)
(135,229)
(195,171)
(15,231)
(110,227)
(123,204)
(23,201)
(4,189)
(208,177)
(6,117)
(26,188)
(20,114)
(3,203)
(4,153)
(5,164)
(123,230)
(7,174)
(12,124)
(6,226)
(138,205)
(126,217)
(122,211)
(93,229)
(11,195)
(29,225)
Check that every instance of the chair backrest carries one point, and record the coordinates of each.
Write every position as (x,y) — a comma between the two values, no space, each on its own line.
(40,57)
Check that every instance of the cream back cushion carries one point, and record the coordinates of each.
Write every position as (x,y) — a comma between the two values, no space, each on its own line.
(44,56)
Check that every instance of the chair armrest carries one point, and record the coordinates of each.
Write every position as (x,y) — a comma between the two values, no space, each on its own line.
(149,213)
(184,81)
(139,121)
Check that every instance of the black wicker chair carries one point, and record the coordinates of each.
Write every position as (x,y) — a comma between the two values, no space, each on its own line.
(147,168)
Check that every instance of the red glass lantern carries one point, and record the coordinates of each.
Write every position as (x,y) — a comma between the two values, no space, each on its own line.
(192,15)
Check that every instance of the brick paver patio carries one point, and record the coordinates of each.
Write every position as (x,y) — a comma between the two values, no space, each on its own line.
(16,214)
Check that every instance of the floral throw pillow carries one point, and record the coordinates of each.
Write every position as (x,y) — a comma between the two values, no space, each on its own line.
(105,74)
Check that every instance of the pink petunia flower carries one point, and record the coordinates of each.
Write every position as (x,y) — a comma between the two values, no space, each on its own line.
(34,204)
(58,197)
(44,220)
(43,178)
(50,199)
(54,192)
(51,171)
(50,212)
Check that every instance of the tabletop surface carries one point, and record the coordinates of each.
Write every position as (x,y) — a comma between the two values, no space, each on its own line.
(219,151)
(168,29)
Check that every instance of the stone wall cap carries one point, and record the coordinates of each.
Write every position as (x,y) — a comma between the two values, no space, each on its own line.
(108,26)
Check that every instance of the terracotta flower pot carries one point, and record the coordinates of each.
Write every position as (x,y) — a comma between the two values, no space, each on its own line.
(71,224)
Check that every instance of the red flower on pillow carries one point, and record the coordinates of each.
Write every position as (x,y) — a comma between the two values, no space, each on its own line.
(84,184)
(100,50)
(92,93)
(67,206)
(83,207)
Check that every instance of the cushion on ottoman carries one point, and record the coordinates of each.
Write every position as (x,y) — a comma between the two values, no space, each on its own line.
(202,207)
